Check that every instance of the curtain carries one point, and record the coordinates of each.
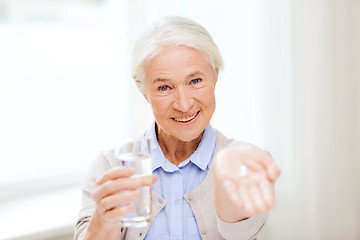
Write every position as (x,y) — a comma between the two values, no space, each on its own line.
(313,119)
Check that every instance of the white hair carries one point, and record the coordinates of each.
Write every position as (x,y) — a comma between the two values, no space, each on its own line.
(172,32)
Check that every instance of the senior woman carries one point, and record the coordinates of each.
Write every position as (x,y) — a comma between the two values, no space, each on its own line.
(197,191)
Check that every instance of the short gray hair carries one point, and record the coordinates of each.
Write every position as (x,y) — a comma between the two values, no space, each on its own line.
(172,32)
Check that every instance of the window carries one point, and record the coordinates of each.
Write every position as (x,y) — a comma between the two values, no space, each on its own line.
(64,97)
(64,88)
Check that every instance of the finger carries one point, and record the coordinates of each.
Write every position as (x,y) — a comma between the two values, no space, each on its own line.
(256,196)
(147,180)
(273,172)
(129,183)
(113,186)
(248,205)
(231,189)
(272,169)
(115,173)
(155,178)
(253,165)
(117,213)
(254,178)
(115,200)
(267,191)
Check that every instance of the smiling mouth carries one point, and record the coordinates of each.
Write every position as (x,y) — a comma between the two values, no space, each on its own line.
(186,119)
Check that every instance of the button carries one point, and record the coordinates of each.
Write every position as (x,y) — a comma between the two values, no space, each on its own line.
(177,171)
(176,202)
(140,234)
(204,232)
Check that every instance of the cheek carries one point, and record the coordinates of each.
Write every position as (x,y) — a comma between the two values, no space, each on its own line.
(208,98)
(160,106)
(212,97)
(210,103)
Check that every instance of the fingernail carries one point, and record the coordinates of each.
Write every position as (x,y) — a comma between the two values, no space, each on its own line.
(147,180)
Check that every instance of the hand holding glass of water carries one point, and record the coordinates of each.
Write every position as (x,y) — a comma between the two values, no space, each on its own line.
(139,158)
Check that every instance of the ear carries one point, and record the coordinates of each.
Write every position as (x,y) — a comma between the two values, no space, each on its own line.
(147,99)
(216,77)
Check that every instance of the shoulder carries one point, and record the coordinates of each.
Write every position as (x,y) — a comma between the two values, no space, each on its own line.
(223,141)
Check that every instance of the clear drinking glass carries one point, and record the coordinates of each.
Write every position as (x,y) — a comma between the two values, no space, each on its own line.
(138,157)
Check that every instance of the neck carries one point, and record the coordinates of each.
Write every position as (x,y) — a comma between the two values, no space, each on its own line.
(176,150)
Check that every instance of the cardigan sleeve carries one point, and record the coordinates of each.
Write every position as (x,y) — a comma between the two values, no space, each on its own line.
(245,230)
(99,167)
(102,164)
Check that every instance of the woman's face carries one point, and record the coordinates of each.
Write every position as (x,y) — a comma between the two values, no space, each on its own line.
(179,85)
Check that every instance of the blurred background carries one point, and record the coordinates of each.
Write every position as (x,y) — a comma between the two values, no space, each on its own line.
(290,85)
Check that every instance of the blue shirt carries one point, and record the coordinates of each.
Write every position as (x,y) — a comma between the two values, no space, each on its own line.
(176,221)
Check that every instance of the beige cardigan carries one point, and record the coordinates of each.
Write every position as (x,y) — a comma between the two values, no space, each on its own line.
(201,200)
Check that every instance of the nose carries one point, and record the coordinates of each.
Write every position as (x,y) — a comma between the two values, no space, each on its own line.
(183,100)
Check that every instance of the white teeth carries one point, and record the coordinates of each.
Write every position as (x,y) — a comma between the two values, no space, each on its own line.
(186,119)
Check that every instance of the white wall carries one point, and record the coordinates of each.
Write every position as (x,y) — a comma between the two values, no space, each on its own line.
(318,193)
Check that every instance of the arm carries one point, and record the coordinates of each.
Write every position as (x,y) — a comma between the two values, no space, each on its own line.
(242,203)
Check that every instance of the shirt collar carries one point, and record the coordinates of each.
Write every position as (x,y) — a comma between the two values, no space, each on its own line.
(201,157)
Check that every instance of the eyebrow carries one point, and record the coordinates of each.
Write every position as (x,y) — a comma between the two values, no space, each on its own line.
(160,80)
(188,76)
(194,74)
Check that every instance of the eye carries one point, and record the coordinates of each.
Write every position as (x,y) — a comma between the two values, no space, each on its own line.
(196,80)
(163,88)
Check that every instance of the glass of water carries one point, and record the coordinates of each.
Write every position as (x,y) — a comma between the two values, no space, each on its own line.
(138,157)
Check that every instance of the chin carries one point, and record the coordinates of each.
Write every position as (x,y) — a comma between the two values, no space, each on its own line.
(188,137)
